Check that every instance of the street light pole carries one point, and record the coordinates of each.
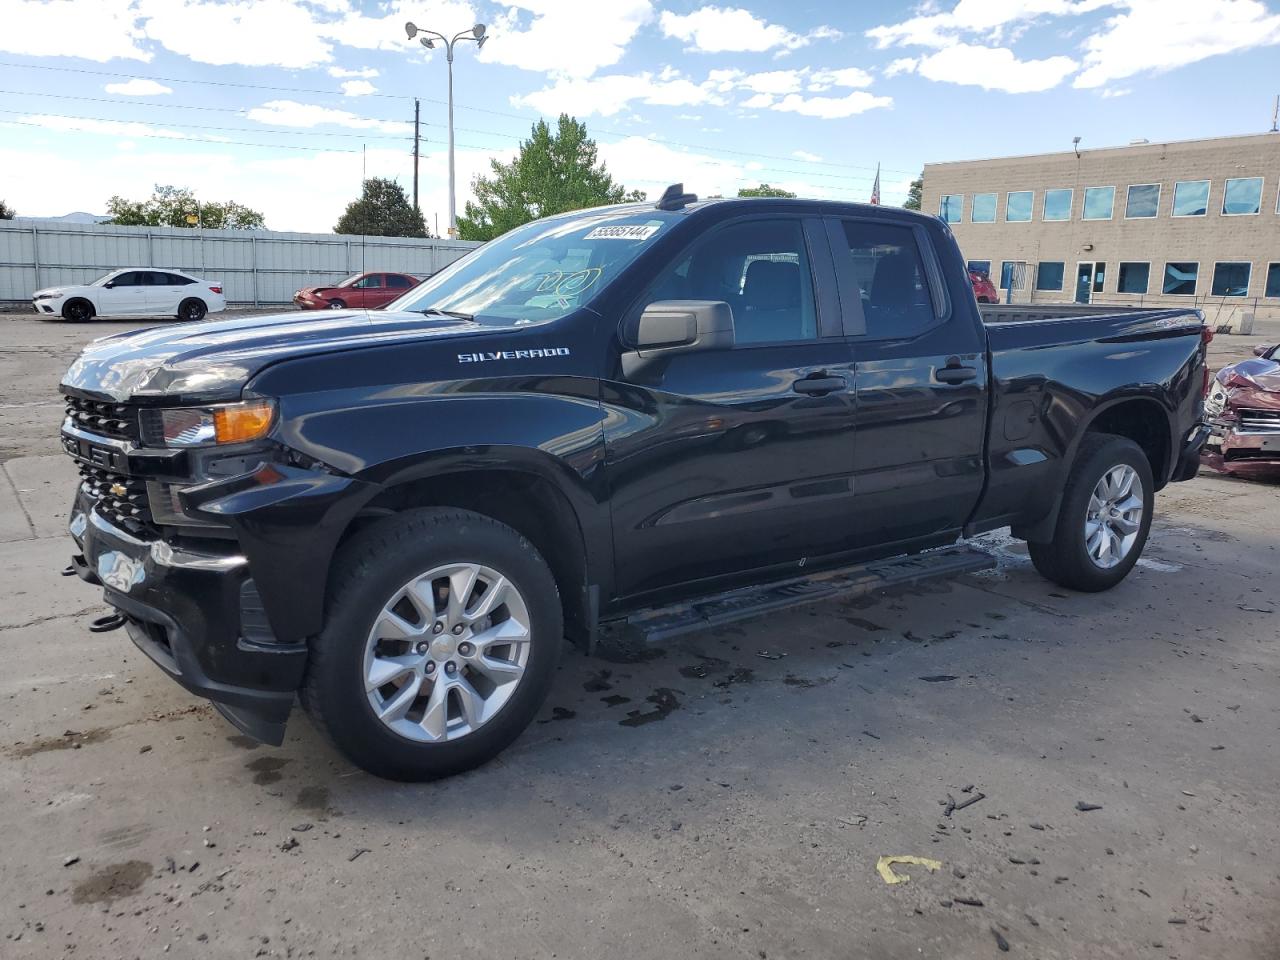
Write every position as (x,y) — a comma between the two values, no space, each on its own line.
(428,40)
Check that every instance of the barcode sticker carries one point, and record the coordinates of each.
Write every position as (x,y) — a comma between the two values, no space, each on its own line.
(636,231)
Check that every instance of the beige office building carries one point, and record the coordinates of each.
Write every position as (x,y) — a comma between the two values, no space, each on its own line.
(1195,222)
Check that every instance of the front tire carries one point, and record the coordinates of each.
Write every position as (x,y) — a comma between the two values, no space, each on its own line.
(77,311)
(192,310)
(336,304)
(1104,518)
(443,630)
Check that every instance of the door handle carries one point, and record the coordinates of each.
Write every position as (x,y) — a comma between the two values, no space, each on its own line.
(819,385)
(955,374)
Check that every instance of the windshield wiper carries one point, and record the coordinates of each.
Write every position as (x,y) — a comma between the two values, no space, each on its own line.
(456,314)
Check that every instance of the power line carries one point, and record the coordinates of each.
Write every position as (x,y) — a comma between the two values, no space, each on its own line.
(202,126)
(235,143)
(392,96)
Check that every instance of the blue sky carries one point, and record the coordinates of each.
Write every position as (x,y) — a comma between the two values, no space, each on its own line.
(281,104)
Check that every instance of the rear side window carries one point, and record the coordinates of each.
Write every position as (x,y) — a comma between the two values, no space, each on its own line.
(177,280)
(398,282)
(891,278)
(761,269)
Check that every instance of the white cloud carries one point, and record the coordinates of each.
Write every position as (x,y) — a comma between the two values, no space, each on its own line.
(1162,35)
(1114,92)
(759,101)
(100,31)
(364,73)
(386,32)
(995,68)
(988,18)
(806,156)
(138,87)
(714,29)
(566,38)
(609,95)
(901,65)
(846,77)
(290,113)
(357,88)
(775,81)
(832,108)
(253,33)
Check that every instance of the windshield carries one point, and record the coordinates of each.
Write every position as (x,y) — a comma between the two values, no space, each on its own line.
(540,271)
(105,277)
(349,281)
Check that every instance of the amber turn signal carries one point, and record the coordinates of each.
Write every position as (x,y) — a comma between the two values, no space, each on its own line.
(236,423)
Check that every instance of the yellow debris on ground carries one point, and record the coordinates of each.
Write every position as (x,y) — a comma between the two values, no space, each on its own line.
(885,864)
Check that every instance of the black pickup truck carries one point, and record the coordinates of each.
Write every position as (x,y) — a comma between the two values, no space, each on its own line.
(666,415)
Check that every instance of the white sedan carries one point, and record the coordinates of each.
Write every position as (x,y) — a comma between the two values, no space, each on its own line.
(133,292)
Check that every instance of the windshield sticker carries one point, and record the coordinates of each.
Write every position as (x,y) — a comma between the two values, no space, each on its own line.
(634,231)
(513,354)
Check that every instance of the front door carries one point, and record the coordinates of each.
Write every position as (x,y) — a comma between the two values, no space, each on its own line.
(127,295)
(727,461)
(1084,281)
(366,293)
(920,385)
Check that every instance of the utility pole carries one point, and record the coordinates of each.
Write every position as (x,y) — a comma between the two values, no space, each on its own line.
(415,152)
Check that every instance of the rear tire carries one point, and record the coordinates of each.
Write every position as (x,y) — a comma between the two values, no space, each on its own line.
(336,304)
(192,310)
(1104,518)
(391,616)
(78,310)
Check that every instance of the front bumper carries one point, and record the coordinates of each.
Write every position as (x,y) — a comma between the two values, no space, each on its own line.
(196,613)
(1242,453)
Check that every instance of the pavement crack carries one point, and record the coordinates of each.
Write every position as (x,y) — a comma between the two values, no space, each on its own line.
(18,500)
(49,617)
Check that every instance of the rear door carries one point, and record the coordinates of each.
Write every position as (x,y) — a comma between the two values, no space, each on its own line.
(920,397)
(127,295)
(395,285)
(164,292)
(727,461)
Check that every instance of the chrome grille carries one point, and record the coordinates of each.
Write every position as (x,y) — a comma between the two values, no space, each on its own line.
(1259,421)
(115,420)
(119,498)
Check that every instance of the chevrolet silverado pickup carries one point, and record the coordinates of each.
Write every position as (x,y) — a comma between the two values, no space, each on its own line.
(651,414)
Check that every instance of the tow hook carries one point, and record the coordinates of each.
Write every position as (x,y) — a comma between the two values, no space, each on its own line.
(68,571)
(107,623)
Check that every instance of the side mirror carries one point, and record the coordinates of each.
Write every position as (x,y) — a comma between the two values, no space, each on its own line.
(1263,349)
(109,286)
(678,326)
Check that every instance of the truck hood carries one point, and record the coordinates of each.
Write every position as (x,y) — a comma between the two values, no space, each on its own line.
(212,361)
(1261,374)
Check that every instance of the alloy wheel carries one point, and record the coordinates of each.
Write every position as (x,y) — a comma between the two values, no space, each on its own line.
(446,652)
(1114,516)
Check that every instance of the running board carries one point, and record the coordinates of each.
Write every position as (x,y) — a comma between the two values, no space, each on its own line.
(664,623)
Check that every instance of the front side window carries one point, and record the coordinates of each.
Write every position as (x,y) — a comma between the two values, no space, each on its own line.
(1017,207)
(1191,198)
(1273,281)
(1049,275)
(891,277)
(1231,279)
(134,278)
(1133,277)
(951,207)
(760,268)
(1057,205)
(540,271)
(1180,279)
(984,208)
(371,282)
(1099,203)
(1242,197)
(1143,202)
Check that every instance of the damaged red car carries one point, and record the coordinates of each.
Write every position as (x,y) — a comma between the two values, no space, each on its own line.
(1243,412)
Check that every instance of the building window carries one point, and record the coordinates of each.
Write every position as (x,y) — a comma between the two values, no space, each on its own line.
(980,266)
(1049,274)
(1098,203)
(1143,202)
(984,208)
(1017,206)
(1191,198)
(1273,281)
(1231,279)
(1242,197)
(1013,273)
(951,207)
(1057,205)
(1133,278)
(1180,279)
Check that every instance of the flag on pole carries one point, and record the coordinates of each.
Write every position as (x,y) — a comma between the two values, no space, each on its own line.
(875,188)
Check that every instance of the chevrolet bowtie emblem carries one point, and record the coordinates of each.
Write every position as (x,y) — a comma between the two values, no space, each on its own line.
(119,489)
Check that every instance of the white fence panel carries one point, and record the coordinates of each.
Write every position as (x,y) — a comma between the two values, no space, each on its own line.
(255,266)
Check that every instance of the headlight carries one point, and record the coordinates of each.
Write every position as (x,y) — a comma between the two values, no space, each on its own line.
(48,296)
(206,426)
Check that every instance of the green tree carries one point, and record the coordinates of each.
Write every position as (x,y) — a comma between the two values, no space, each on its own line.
(170,206)
(764,190)
(914,193)
(553,173)
(383,210)
(7,212)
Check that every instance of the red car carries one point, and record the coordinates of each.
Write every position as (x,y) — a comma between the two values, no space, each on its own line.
(364,291)
(1243,411)
(983,288)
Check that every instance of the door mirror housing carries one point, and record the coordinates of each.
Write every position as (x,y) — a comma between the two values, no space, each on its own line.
(678,326)
(109,286)
(1263,349)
